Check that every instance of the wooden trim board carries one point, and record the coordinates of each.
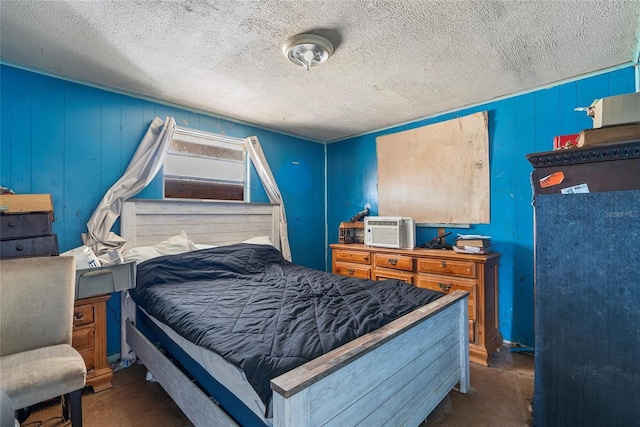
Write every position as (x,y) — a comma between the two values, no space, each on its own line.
(147,222)
(395,375)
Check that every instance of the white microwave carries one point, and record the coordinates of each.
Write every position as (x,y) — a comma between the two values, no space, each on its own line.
(390,232)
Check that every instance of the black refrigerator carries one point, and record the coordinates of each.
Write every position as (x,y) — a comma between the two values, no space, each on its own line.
(587,286)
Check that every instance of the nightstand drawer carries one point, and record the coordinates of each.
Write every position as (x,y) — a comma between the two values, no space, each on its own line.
(360,257)
(353,270)
(24,225)
(395,261)
(87,356)
(83,338)
(448,267)
(82,314)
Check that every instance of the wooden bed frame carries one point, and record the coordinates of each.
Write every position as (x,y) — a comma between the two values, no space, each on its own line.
(395,375)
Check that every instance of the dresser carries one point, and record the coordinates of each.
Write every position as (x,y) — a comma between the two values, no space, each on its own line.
(440,270)
(90,339)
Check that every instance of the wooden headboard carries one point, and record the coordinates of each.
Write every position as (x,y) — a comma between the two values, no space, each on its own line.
(148,222)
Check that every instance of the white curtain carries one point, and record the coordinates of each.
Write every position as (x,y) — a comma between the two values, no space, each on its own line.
(143,167)
(269,183)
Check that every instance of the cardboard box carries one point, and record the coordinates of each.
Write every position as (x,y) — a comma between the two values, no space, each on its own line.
(615,110)
(26,203)
(105,280)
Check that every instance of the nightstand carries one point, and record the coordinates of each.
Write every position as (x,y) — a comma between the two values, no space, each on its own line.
(90,339)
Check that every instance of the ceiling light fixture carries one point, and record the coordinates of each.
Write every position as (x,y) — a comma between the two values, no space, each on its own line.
(307,50)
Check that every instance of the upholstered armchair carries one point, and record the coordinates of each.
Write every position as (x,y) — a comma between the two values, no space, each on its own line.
(37,361)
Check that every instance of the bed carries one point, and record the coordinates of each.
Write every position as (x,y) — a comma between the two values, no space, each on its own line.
(394,375)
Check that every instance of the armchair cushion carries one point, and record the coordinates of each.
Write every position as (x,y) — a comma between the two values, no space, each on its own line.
(44,373)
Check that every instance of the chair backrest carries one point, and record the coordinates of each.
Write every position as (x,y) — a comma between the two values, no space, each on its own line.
(36,302)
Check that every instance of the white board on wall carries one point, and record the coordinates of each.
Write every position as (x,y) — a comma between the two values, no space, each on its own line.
(436,174)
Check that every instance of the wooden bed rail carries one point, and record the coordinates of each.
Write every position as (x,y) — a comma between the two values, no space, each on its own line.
(301,377)
(418,357)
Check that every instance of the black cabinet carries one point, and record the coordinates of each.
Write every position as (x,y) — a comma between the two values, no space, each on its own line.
(587,286)
(27,235)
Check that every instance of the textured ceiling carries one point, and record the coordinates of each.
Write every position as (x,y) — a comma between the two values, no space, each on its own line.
(395,61)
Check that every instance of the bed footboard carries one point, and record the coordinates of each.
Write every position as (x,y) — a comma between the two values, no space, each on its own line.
(395,375)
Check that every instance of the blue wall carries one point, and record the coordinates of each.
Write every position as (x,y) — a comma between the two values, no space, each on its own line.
(517,126)
(74,141)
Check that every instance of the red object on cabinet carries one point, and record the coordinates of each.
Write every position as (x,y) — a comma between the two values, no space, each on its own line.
(565,141)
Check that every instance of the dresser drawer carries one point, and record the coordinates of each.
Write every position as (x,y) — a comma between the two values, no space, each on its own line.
(82,314)
(395,261)
(449,284)
(384,274)
(360,257)
(448,267)
(31,247)
(353,270)
(24,225)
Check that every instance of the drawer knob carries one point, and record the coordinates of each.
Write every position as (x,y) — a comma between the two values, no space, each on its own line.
(350,272)
(443,264)
(445,286)
(366,258)
(12,225)
(19,248)
(78,316)
(392,261)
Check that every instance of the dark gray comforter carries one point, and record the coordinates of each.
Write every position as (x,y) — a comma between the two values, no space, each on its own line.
(263,313)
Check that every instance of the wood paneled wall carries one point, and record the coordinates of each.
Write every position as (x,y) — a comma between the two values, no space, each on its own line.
(517,126)
(74,141)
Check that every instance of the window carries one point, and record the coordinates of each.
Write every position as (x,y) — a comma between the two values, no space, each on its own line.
(201,165)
